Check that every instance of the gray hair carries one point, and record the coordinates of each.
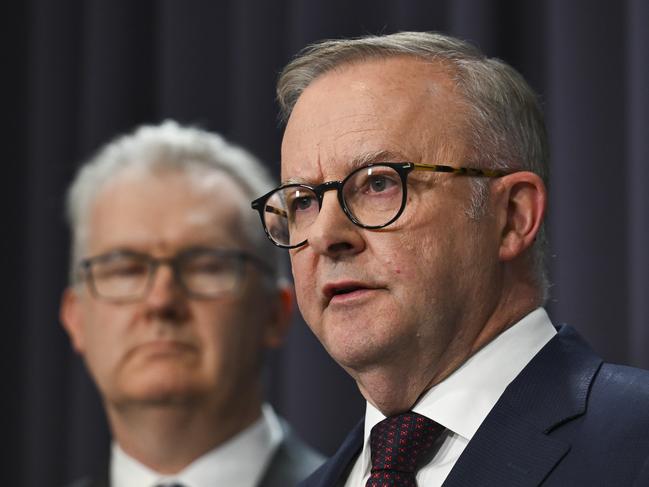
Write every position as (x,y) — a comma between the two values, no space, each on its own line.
(169,147)
(505,123)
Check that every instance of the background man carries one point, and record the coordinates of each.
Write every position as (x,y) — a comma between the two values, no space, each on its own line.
(172,303)
(413,203)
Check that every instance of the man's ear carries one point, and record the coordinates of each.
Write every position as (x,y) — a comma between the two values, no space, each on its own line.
(71,318)
(521,207)
(282,313)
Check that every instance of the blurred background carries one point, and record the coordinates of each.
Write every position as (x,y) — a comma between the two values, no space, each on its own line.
(77,73)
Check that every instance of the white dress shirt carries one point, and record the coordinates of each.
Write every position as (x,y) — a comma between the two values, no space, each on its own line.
(239,462)
(463,400)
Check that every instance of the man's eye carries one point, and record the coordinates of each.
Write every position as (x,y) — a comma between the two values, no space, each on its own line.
(205,267)
(122,270)
(302,203)
(379,184)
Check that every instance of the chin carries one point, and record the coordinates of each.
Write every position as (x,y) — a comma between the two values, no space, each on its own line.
(164,397)
(161,389)
(358,341)
(357,357)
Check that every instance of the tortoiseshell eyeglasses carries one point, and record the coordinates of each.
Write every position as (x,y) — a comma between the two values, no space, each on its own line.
(372,196)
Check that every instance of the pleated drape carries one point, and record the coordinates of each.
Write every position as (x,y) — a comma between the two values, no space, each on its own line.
(80,72)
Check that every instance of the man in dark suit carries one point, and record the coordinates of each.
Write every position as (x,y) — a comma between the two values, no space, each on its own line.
(413,208)
(174,297)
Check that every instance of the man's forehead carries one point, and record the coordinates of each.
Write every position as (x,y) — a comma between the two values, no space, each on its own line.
(355,162)
(198,176)
(143,210)
(375,111)
(390,71)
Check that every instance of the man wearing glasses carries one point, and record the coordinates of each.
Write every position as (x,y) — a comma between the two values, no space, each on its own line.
(412,207)
(174,297)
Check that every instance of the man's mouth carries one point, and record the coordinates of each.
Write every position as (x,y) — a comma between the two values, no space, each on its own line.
(345,290)
(161,347)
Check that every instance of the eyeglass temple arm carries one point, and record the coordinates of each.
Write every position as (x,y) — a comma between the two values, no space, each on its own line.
(468,171)
(276,211)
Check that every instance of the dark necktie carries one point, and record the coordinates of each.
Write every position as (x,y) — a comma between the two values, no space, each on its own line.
(400,445)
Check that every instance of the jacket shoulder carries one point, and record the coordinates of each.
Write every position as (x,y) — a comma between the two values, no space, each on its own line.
(624,380)
(609,443)
(293,461)
(622,392)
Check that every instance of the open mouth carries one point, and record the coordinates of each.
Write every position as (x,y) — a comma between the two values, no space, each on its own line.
(343,290)
(346,290)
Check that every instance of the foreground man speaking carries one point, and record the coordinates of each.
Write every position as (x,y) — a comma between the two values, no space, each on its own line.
(174,297)
(413,200)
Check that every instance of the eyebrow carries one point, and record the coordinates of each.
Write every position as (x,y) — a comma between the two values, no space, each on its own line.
(376,156)
(359,161)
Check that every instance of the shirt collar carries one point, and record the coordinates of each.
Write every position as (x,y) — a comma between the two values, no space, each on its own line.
(221,466)
(463,400)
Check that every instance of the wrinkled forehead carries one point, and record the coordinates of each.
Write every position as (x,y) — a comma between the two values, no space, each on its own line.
(401,108)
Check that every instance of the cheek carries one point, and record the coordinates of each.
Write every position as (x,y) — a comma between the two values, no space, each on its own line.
(406,257)
(213,329)
(105,327)
(229,336)
(106,341)
(418,264)
(305,284)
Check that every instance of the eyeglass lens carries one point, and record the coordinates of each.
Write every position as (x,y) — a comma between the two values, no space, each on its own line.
(372,196)
(124,276)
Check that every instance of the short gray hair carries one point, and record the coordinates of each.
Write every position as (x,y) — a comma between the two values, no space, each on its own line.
(505,122)
(170,147)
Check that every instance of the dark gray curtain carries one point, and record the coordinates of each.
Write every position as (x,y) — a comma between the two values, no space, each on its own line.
(79,72)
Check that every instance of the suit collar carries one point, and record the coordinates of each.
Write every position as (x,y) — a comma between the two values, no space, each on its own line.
(512,446)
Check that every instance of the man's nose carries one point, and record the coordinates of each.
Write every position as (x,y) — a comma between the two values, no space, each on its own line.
(332,233)
(165,292)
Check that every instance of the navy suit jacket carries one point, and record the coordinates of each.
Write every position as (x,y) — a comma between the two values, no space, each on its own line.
(568,419)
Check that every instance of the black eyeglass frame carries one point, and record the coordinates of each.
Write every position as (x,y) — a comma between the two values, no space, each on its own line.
(174,262)
(402,168)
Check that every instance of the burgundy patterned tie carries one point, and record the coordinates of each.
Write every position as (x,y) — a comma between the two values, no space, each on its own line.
(401,445)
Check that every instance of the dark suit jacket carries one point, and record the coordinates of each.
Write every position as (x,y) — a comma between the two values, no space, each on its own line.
(293,461)
(567,420)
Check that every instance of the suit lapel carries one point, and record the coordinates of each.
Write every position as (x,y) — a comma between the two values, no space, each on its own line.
(334,470)
(512,446)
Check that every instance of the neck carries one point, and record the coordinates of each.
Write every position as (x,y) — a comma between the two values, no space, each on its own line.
(396,386)
(168,437)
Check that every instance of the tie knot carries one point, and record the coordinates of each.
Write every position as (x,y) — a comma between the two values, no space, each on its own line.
(403,442)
